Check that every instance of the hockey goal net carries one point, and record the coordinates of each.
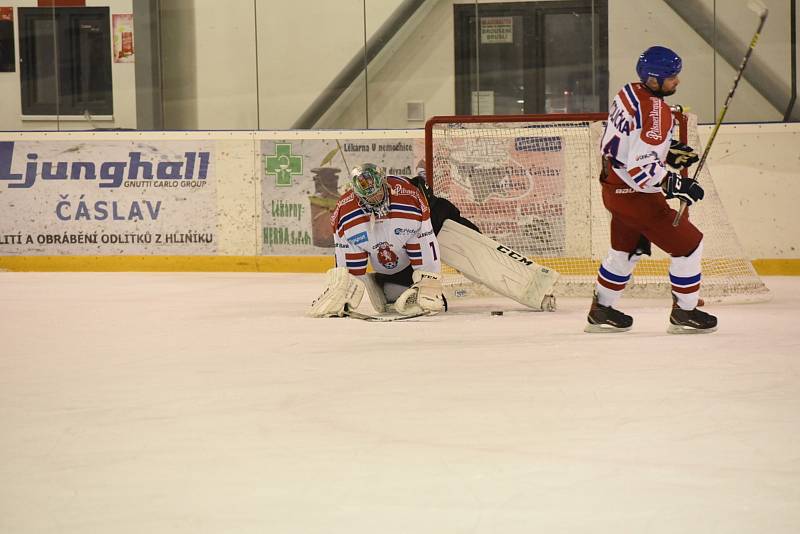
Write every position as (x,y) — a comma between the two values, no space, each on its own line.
(531,183)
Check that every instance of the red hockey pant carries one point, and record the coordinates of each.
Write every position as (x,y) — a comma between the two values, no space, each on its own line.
(648,214)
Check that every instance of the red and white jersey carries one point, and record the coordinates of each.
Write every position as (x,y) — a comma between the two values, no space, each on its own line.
(637,137)
(390,243)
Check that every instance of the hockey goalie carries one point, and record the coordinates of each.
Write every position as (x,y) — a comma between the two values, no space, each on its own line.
(404,232)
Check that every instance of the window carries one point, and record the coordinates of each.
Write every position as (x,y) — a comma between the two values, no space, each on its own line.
(6,39)
(531,57)
(65,61)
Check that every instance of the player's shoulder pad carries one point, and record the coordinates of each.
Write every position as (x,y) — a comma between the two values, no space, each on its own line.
(403,190)
(400,186)
(346,204)
(656,120)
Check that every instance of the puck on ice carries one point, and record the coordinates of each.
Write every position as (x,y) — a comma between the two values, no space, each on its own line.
(497,312)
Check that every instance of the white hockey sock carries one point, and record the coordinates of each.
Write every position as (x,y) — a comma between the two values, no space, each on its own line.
(613,275)
(684,275)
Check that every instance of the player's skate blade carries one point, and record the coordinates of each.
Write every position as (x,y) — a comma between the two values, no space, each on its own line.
(604,329)
(691,322)
(606,320)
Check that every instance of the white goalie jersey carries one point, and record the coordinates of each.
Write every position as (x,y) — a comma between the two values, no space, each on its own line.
(403,237)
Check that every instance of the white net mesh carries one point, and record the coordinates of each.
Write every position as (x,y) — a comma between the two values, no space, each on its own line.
(533,185)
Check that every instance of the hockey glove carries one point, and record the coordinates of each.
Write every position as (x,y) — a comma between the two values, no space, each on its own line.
(425,296)
(685,189)
(681,156)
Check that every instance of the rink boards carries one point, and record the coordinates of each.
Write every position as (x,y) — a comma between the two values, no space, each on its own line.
(261,201)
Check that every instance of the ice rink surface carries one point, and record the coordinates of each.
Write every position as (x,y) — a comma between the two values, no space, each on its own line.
(206,403)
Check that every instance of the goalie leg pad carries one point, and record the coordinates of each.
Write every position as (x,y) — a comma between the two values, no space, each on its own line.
(485,261)
(425,296)
(343,290)
(375,292)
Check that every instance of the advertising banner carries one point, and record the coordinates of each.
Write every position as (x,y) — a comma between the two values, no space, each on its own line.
(302,179)
(107,198)
(515,187)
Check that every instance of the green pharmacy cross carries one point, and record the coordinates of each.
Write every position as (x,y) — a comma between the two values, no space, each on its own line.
(284,165)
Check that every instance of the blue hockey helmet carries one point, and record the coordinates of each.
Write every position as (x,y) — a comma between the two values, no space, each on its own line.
(659,62)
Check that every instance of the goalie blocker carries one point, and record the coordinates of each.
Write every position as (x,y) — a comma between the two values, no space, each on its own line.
(496,266)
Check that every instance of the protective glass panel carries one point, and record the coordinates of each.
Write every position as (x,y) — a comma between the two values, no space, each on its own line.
(376,64)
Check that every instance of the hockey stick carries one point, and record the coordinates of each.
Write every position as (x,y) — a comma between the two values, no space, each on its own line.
(341,153)
(761,10)
(382,318)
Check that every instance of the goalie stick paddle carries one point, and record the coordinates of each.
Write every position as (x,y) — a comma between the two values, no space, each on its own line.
(381,318)
(762,12)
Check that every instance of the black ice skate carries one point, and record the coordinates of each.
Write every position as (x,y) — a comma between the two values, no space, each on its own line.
(605,319)
(693,321)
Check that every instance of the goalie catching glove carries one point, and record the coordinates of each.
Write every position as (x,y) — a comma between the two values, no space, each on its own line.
(425,296)
(343,291)
(685,189)
(681,156)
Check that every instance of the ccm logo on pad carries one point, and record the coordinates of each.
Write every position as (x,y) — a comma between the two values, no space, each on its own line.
(514,255)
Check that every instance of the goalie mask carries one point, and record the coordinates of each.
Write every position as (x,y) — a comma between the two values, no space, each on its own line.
(371,188)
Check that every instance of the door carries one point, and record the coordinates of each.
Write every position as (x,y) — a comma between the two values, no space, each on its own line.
(65,61)
(531,57)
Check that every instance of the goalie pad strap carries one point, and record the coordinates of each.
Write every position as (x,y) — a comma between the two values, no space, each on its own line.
(494,265)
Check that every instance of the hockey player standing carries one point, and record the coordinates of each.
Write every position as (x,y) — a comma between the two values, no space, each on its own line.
(637,147)
(386,221)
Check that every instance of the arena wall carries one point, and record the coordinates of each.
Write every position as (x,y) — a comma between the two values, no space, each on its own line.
(260,201)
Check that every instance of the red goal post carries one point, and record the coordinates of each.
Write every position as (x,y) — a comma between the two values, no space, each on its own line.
(531,183)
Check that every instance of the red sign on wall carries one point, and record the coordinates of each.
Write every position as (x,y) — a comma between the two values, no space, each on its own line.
(122,25)
(62,3)
(7,56)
